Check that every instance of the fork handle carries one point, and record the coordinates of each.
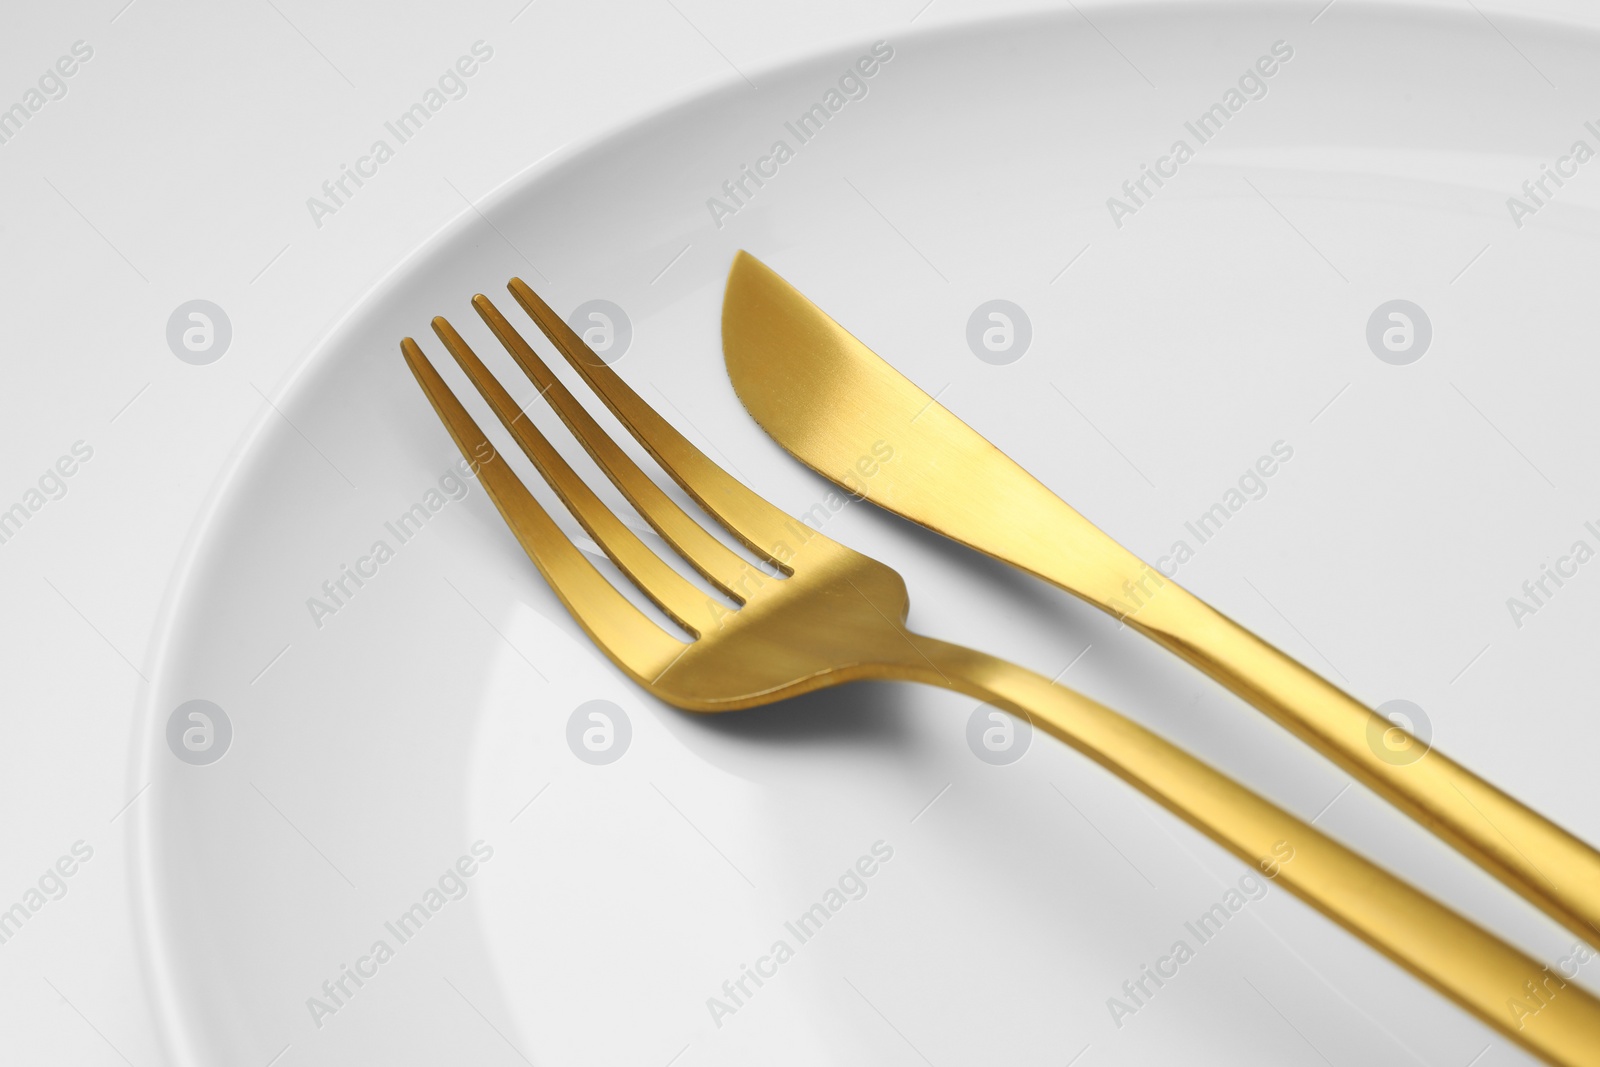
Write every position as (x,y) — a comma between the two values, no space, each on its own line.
(1548,866)
(1505,988)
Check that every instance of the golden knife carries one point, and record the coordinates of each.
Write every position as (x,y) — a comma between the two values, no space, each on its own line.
(829,399)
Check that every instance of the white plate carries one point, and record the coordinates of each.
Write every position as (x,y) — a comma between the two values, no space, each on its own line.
(373,746)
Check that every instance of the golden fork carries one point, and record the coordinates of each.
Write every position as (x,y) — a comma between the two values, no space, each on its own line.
(835,616)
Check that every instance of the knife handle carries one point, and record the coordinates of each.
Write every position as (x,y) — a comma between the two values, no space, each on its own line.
(1557,1020)
(1548,866)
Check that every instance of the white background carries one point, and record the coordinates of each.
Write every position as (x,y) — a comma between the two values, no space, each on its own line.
(177,167)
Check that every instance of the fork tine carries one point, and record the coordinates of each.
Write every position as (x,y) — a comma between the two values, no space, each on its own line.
(689,606)
(626,634)
(764,528)
(720,564)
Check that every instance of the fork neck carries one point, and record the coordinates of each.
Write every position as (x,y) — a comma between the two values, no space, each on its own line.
(1064,713)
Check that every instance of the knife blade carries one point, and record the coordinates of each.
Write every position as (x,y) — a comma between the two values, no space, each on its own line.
(830,401)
